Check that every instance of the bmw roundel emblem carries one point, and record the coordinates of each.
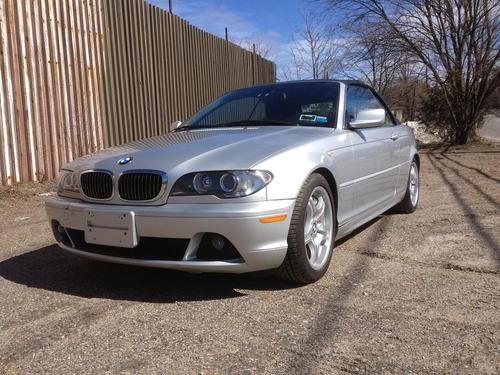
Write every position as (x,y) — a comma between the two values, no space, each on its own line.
(124,161)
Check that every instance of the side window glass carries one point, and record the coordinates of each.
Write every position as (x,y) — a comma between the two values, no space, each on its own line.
(360,99)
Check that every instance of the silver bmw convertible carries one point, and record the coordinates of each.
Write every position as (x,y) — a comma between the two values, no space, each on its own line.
(263,178)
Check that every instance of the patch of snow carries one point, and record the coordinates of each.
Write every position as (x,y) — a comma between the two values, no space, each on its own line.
(423,135)
(46,194)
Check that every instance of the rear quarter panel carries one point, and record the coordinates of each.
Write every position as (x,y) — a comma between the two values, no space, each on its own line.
(407,152)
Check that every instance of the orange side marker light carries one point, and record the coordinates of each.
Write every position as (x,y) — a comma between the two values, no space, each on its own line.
(272,219)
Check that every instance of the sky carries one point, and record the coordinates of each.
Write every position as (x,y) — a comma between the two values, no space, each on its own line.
(270,22)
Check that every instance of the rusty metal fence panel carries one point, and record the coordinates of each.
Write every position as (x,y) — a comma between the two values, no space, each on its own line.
(77,76)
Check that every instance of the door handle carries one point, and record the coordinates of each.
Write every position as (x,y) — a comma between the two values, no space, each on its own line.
(394,136)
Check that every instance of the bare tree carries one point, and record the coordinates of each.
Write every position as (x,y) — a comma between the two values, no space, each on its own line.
(313,50)
(289,72)
(408,89)
(457,40)
(368,57)
(262,48)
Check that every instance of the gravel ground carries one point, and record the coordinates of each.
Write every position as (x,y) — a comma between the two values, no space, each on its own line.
(406,294)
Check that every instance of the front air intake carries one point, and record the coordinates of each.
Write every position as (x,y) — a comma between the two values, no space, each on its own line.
(141,185)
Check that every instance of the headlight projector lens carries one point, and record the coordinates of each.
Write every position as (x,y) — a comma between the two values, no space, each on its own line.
(202,183)
(228,182)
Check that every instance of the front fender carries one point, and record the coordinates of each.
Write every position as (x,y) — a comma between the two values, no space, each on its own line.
(292,167)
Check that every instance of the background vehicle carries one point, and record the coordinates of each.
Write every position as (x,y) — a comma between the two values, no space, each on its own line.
(262,178)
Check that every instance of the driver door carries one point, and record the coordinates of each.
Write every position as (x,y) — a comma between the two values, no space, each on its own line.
(375,154)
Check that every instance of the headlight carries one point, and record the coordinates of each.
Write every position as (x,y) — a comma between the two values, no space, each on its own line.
(68,182)
(223,184)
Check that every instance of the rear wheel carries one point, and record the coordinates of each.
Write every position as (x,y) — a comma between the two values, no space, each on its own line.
(410,201)
(311,234)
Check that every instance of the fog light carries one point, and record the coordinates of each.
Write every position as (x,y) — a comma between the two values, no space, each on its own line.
(218,243)
(60,229)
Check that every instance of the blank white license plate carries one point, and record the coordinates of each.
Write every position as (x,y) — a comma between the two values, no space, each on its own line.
(111,229)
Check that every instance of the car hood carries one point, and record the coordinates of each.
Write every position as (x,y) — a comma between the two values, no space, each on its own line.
(204,149)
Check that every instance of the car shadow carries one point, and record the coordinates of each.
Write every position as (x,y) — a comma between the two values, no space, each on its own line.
(471,216)
(49,268)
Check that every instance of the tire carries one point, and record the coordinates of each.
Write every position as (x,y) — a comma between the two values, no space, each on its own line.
(307,262)
(410,201)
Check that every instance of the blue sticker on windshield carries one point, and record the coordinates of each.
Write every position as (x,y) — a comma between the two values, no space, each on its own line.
(314,118)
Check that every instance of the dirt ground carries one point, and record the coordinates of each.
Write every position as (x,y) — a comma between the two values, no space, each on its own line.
(406,294)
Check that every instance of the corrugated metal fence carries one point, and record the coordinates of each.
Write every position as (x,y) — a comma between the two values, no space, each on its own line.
(77,76)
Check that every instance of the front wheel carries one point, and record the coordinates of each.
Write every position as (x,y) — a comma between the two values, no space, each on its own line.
(311,234)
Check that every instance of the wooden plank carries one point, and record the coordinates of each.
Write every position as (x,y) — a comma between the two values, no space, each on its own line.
(124,64)
(56,86)
(111,88)
(163,64)
(81,73)
(134,69)
(189,68)
(32,94)
(149,71)
(90,113)
(8,111)
(182,63)
(140,64)
(4,146)
(41,104)
(26,81)
(117,62)
(49,92)
(160,76)
(69,138)
(175,78)
(26,116)
(3,174)
(154,70)
(128,37)
(18,130)
(121,63)
(146,61)
(99,38)
(172,111)
(95,120)
(69,67)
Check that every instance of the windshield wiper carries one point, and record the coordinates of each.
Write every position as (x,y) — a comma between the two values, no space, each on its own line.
(235,123)
(206,126)
(259,122)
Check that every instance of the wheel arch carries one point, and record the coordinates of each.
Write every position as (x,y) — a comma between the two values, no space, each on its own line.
(330,178)
(417,159)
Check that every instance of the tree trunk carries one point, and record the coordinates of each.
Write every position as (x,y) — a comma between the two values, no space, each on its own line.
(465,125)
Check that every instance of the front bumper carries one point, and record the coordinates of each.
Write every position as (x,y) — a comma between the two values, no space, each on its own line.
(261,246)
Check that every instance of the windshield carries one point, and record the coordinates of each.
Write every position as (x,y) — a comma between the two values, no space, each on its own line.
(305,103)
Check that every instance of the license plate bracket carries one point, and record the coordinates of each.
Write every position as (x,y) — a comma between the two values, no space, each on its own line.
(115,229)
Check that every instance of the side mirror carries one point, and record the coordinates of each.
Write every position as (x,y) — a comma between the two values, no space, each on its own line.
(369,118)
(175,125)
